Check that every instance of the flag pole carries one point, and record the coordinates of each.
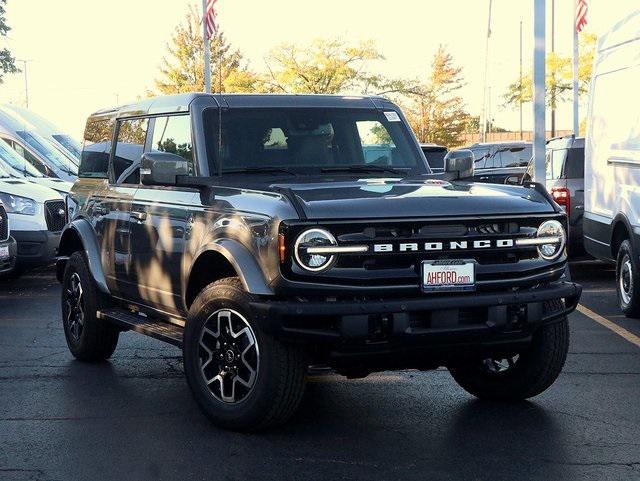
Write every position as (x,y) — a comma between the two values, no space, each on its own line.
(576,73)
(539,92)
(207,50)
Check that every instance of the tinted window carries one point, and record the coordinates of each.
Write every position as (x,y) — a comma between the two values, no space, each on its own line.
(129,145)
(514,157)
(480,156)
(309,139)
(173,135)
(435,157)
(11,158)
(574,168)
(47,152)
(96,149)
(68,143)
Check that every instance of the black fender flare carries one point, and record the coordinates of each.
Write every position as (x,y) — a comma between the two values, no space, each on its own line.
(243,262)
(81,229)
(622,219)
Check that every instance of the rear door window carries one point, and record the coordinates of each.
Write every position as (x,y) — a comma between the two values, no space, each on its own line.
(574,168)
(96,149)
(130,145)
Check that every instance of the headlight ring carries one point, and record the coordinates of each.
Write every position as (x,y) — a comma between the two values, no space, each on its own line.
(553,229)
(314,238)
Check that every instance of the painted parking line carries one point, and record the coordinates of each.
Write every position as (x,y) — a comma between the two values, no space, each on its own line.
(612,326)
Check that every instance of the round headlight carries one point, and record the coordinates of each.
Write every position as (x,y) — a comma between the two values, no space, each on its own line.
(310,261)
(552,230)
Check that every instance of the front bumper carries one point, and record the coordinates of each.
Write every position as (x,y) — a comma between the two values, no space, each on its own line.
(8,263)
(436,326)
(36,247)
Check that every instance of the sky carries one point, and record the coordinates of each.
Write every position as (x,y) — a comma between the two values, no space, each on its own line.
(84,55)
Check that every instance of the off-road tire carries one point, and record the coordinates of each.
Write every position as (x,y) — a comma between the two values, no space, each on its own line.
(279,384)
(628,301)
(535,369)
(98,339)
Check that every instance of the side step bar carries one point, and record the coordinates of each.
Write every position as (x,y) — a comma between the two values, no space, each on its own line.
(163,331)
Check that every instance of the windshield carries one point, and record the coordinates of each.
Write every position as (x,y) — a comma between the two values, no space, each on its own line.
(48,152)
(9,157)
(310,141)
(69,144)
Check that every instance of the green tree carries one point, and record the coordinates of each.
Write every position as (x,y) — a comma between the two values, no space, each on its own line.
(183,69)
(7,61)
(435,109)
(326,66)
(559,81)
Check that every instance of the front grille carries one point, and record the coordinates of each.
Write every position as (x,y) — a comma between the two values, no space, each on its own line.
(55,215)
(4,224)
(497,266)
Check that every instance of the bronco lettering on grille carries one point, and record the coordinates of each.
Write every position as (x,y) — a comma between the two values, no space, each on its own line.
(442,245)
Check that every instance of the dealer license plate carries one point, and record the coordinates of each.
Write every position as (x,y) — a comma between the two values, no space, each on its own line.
(4,252)
(448,275)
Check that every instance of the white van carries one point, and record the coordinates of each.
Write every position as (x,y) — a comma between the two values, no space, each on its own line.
(37,216)
(612,159)
(54,134)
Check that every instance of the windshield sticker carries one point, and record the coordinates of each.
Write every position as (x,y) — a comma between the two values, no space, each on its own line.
(392,116)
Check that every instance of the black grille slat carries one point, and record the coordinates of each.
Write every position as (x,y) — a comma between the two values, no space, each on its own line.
(4,224)
(55,215)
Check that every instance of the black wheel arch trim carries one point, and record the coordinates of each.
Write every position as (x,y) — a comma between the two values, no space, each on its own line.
(243,262)
(622,219)
(80,229)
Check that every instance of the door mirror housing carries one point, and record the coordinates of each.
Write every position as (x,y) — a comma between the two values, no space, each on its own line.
(459,163)
(162,168)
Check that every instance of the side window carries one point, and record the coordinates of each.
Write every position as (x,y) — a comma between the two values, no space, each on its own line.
(129,146)
(480,157)
(173,134)
(574,168)
(96,149)
(377,146)
(548,162)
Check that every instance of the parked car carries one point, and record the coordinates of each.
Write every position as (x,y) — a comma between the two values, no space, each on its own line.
(494,162)
(54,134)
(565,183)
(36,149)
(435,156)
(7,245)
(612,160)
(19,168)
(267,242)
(37,216)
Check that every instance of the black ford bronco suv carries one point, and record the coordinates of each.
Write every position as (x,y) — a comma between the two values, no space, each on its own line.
(263,234)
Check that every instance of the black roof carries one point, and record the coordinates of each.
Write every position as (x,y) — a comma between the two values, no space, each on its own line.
(181,103)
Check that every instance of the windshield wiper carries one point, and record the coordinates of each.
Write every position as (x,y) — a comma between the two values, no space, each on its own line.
(259,170)
(364,169)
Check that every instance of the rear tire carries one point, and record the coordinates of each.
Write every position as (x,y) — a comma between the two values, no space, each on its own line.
(242,378)
(523,376)
(628,280)
(88,338)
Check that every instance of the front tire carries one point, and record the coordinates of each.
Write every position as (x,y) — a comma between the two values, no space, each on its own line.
(522,376)
(242,378)
(88,338)
(628,280)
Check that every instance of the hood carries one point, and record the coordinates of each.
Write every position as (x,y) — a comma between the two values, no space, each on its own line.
(393,198)
(24,188)
(58,185)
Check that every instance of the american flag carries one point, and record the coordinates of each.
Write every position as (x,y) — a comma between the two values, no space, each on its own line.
(582,7)
(210,18)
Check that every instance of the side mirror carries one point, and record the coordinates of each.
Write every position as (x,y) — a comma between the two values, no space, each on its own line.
(162,168)
(460,163)
(513,180)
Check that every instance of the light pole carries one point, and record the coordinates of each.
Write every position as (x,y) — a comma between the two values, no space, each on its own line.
(483,116)
(26,81)
(539,90)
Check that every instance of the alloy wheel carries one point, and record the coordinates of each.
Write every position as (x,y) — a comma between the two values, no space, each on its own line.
(75,307)
(229,356)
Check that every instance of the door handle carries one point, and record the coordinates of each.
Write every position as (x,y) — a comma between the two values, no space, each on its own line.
(484,178)
(139,216)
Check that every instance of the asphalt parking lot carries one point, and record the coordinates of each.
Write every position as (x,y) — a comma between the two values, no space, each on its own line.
(134,418)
